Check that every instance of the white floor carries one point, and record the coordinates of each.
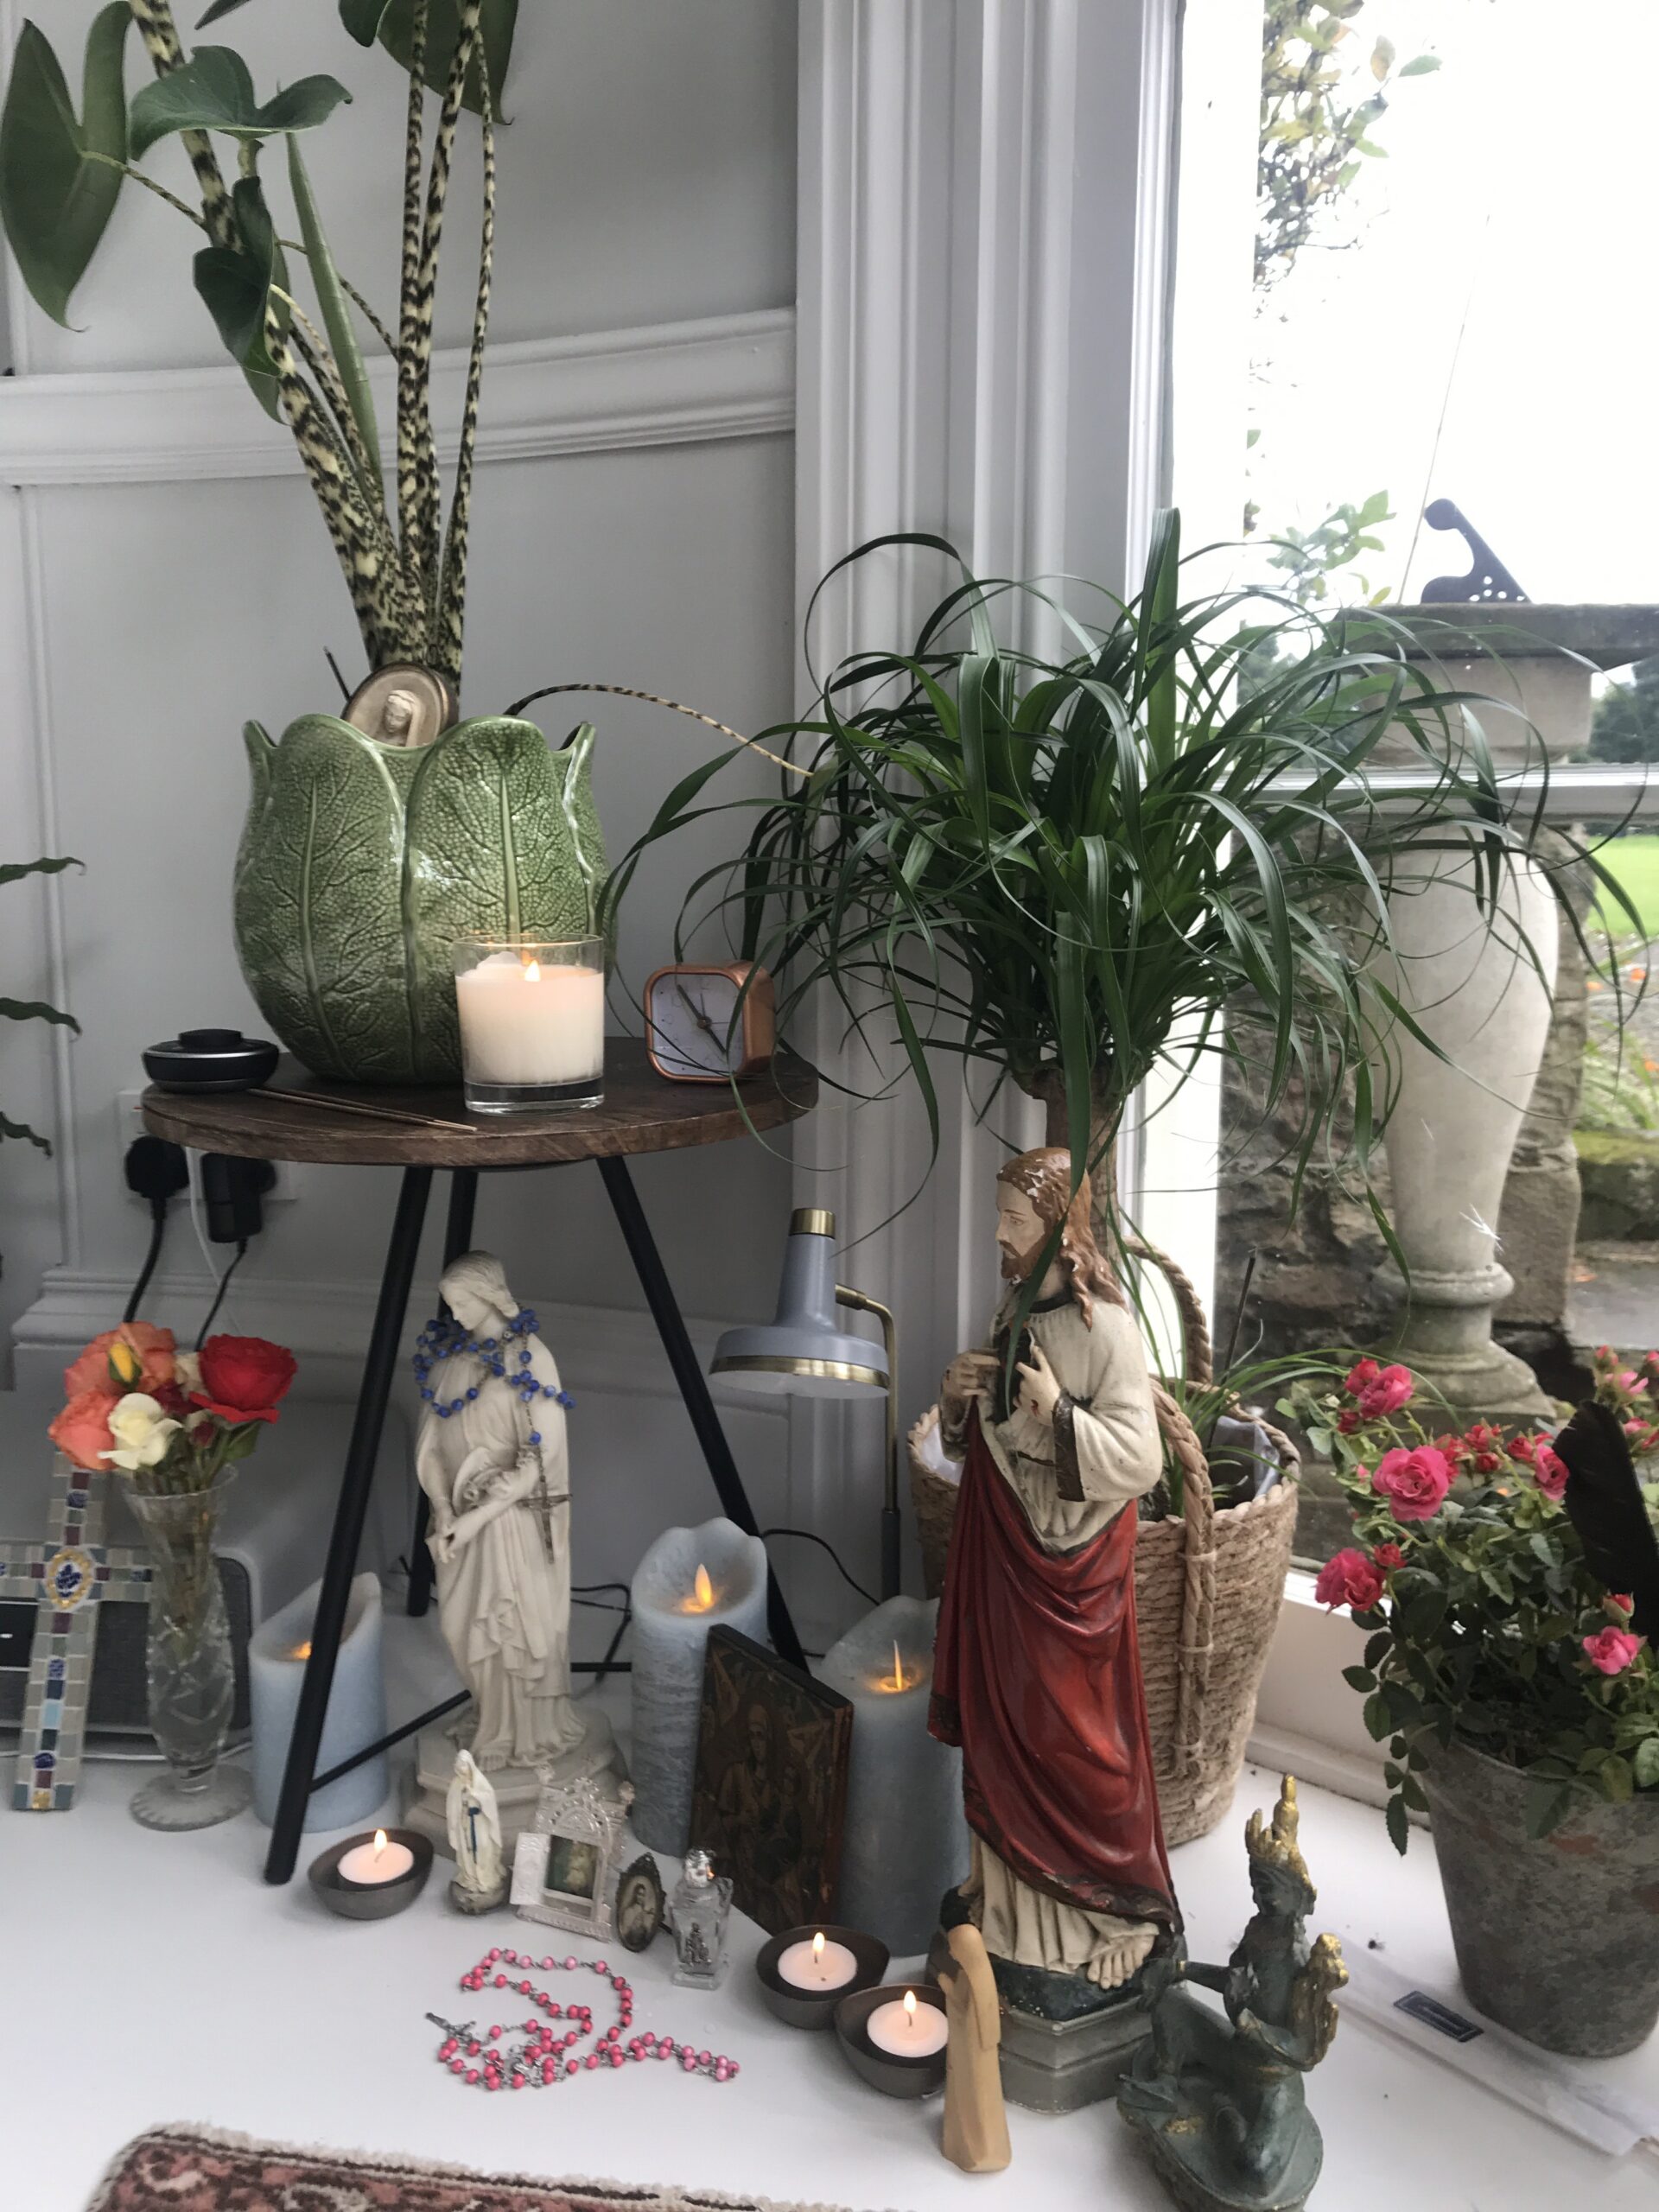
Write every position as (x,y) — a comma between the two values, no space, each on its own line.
(152,1978)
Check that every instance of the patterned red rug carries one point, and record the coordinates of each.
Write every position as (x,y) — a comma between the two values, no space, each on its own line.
(195,2169)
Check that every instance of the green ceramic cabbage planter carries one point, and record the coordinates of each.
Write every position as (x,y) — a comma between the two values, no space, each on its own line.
(361,865)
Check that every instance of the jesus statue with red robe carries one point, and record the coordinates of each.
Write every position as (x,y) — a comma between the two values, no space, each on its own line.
(1037,1674)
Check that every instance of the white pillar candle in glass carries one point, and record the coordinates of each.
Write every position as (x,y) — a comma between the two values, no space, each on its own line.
(904,1839)
(532,1022)
(690,1581)
(278,1651)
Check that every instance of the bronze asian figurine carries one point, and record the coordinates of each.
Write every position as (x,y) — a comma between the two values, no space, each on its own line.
(1219,2102)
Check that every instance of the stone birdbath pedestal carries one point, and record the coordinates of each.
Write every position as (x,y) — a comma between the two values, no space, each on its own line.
(1459,1211)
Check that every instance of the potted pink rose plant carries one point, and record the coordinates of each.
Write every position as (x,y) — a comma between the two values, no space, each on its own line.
(1519,1701)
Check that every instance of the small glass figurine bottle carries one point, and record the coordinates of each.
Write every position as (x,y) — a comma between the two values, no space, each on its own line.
(697,1912)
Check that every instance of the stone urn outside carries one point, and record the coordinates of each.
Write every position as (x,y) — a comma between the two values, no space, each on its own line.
(362,864)
(1485,1182)
(1557,1937)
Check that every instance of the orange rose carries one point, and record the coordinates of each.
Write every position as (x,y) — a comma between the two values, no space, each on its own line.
(81,1431)
(152,1347)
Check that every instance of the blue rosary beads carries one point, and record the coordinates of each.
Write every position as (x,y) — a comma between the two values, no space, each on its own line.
(444,1338)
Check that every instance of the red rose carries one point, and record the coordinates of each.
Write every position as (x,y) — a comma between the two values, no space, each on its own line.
(1388,1557)
(1385,1393)
(1361,1372)
(1415,1483)
(1523,1447)
(1549,1471)
(1347,1421)
(242,1378)
(1349,1578)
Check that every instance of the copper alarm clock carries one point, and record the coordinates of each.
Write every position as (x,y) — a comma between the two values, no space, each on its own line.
(696,1031)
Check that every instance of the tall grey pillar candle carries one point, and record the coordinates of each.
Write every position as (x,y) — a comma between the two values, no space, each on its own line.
(671,1621)
(904,1839)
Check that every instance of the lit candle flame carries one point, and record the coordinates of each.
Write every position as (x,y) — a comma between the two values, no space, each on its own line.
(898,1680)
(910,2008)
(301,1651)
(532,971)
(817,1950)
(380,1845)
(703,1594)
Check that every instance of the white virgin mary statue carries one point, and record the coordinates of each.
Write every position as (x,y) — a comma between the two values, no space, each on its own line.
(492,1460)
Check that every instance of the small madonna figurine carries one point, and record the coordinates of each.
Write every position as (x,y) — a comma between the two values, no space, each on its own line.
(474,1827)
(491,1459)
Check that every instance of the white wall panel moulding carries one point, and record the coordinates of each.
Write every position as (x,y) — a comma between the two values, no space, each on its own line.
(615,1350)
(727,375)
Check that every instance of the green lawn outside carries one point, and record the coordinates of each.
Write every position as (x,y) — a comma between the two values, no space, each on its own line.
(1634,864)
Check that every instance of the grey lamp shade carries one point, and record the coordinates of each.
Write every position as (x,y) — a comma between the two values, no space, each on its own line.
(803,1350)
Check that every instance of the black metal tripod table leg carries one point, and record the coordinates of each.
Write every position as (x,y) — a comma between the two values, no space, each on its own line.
(694,1388)
(384,1345)
(457,1239)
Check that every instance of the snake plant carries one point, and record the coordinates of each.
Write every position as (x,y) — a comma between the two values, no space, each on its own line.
(62,170)
(1166,840)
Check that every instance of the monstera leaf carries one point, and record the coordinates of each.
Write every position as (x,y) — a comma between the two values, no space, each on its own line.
(362,864)
(57,194)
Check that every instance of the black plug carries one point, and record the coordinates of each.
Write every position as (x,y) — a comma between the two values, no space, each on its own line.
(232,1189)
(156,1170)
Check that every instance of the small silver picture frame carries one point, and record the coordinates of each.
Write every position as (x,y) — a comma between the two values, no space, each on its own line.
(564,1866)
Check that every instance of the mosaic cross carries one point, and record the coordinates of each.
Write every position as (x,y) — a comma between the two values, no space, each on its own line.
(68,1576)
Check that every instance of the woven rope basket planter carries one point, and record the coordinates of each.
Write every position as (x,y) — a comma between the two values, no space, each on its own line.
(1208,1587)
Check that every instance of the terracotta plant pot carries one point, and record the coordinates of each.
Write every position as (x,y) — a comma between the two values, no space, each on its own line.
(1557,1939)
(361,864)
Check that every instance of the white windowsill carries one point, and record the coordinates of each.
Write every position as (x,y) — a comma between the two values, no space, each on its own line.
(1307,1719)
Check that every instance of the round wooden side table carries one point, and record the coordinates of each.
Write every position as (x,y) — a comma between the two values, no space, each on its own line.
(301,1119)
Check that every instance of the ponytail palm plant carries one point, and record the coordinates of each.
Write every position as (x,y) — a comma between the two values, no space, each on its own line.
(1068,866)
(62,174)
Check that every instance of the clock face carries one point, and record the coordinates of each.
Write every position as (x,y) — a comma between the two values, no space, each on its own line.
(697,1028)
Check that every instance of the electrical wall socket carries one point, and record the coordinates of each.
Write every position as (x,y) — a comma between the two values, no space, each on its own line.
(130,1123)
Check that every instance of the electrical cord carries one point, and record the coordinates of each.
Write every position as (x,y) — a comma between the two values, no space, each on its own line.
(218,1295)
(808,1536)
(157,1233)
(156,1171)
(194,1189)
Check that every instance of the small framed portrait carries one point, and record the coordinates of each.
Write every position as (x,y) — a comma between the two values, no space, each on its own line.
(564,1865)
(639,1904)
(771,1783)
(402,705)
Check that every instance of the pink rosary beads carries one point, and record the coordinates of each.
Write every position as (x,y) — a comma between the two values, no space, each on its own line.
(480,2058)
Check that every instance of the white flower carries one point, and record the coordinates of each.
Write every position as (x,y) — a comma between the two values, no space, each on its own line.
(186,1371)
(144,1433)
